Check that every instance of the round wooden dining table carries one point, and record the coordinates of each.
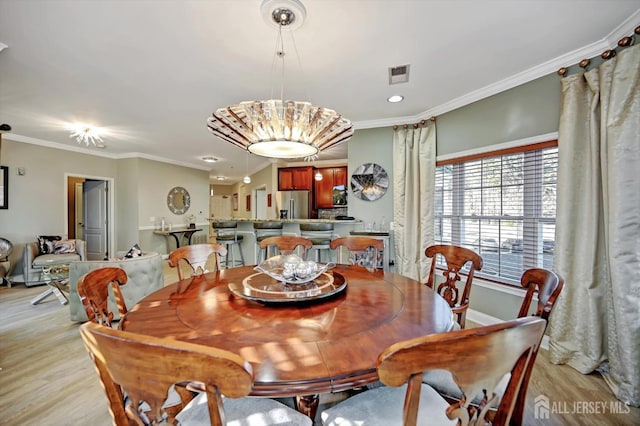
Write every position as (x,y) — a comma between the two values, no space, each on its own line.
(299,349)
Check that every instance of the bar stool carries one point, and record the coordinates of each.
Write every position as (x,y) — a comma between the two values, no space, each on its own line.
(320,235)
(264,230)
(226,233)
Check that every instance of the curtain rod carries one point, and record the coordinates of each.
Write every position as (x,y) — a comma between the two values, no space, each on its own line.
(415,125)
(607,54)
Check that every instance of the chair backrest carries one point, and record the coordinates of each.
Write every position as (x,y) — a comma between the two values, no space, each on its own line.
(548,285)
(227,230)
(196,256)
(93,290)
(478,358)
(287,244)
(145,367)
(455,258)
(6,247)
(363,251)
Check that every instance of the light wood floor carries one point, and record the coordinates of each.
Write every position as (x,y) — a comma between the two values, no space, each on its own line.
(47,378)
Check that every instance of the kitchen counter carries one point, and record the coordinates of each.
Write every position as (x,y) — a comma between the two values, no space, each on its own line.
(341,228)
(239,220)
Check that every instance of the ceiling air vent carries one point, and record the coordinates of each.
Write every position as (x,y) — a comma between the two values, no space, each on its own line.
(399,74)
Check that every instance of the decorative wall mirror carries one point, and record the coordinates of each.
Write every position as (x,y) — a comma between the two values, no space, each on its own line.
(4,187)
(369,182)
(178,200)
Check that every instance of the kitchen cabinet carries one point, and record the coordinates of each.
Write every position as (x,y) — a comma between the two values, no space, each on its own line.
(331,177)
(295,178)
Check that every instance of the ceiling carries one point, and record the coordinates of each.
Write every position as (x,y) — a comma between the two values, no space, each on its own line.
(150,72)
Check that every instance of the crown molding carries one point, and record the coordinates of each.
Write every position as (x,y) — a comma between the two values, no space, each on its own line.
(595,49)
(98,152)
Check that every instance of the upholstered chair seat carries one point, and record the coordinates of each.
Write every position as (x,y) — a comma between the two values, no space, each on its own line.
(383,406)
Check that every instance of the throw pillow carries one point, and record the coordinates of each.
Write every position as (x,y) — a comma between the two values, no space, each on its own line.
(45,243)
(64,246)
(134,252)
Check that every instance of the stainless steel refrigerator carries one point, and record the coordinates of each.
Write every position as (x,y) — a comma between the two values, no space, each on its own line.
(295,203)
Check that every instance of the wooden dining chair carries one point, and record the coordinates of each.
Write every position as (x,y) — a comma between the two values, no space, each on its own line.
(93,290)
(363,251)
(196,256)
(145,368)
(455,258)
(548,286)
(286,244)
(477,358)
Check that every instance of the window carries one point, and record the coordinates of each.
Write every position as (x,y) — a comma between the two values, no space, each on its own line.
(503,206)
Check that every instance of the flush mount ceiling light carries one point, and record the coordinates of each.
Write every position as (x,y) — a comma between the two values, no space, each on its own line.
(209,159)
(87,134)
(220,178)
(395,98)
(279,128)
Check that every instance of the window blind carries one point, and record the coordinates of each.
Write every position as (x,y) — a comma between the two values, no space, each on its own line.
(501,205)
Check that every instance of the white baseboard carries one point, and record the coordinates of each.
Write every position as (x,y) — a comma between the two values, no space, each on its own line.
(481,318)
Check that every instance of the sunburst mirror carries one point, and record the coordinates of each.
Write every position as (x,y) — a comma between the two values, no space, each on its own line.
(178,200)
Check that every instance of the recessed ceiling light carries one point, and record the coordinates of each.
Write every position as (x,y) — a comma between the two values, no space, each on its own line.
(395,98)
(209,159)
(220,178)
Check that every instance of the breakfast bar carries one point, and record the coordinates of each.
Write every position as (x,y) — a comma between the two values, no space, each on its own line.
(342,228)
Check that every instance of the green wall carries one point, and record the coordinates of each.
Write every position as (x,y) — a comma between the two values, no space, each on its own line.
(528,110)
(525,111)
(371,146)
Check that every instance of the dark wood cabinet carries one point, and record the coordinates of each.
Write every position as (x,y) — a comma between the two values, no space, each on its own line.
(340,176)
(331,177)
(295,178)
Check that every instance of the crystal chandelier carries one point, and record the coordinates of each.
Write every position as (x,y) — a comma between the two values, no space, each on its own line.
(87,135)
(279,128)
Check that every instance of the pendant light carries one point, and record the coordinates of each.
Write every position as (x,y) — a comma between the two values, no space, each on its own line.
(247,178)
(279,128)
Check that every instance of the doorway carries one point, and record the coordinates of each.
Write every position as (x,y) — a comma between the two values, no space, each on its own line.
(89,215)
(260,195)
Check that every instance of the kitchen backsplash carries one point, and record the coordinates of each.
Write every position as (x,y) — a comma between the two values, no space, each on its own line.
(332,213)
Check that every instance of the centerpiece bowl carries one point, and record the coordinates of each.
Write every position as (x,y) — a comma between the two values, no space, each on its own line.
(291,269)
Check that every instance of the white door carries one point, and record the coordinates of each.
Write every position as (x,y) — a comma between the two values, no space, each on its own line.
(79,209)
(261,203)
(95,219)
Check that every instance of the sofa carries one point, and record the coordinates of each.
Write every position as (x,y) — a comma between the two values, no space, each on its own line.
(34,259)
(144,273)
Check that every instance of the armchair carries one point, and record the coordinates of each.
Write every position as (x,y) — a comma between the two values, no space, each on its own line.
(33,261)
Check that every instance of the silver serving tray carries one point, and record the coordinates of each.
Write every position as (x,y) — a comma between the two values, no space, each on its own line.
(263,288)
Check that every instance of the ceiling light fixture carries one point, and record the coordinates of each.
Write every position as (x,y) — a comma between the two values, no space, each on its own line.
(220,178)
(209,159)
(87,134)
(279,128)
(395,98)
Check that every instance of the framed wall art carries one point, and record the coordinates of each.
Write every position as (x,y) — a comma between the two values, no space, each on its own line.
(369,182)
(4,187)
(234,201)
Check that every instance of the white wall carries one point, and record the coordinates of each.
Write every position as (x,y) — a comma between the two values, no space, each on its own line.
(37,203)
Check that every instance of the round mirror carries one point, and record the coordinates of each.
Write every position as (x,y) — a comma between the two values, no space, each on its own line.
(369,182)
(178,200)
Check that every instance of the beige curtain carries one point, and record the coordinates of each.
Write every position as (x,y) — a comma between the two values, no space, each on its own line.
(414,165)
(596,324)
